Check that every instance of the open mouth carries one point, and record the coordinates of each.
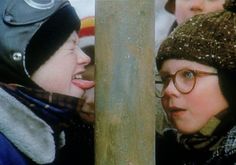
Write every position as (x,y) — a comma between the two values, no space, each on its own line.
(77,76)
(78,81)
(175,111)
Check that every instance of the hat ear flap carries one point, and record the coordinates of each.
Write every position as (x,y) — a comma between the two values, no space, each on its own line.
(227,81)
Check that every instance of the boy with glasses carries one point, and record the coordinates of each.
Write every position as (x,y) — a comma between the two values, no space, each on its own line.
(197,76)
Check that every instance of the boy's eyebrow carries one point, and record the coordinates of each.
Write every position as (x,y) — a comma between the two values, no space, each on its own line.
(163,73)
(167,72)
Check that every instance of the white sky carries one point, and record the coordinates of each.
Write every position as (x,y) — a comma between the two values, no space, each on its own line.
(84,7)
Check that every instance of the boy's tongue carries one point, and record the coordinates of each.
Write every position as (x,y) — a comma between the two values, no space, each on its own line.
(83,84)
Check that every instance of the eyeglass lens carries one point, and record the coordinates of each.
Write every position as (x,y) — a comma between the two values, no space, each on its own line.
(184,81)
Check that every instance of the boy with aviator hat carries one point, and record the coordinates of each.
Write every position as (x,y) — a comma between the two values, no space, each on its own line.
(41,70)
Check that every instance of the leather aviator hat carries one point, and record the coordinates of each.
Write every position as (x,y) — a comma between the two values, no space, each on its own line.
(30,32)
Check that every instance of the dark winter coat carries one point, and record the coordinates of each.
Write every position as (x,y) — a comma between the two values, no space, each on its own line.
(32,131)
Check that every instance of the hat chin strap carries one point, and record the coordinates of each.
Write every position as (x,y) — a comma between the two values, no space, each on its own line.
(25,69)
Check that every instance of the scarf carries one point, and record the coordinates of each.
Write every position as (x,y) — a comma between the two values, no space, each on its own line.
(210,136)
(56,109)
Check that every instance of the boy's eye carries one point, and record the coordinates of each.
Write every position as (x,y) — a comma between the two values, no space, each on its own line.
(187,74)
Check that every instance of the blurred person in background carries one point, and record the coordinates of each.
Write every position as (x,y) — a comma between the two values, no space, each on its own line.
(183,10)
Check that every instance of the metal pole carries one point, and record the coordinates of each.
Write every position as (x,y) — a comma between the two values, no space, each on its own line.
(125,101)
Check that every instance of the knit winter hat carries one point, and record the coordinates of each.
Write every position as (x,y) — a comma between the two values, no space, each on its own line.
(30,32)
(208,39)
(87,32)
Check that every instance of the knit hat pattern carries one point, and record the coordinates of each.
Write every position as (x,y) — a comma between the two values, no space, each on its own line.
(207,38)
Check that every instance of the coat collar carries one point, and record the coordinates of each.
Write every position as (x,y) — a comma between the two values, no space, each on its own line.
(25,130)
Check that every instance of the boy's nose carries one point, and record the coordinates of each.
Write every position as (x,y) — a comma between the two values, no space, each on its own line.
(170,89)
(82,57)
(196,5)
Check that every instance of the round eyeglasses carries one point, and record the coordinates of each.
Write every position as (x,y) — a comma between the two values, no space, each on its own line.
(184,81)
